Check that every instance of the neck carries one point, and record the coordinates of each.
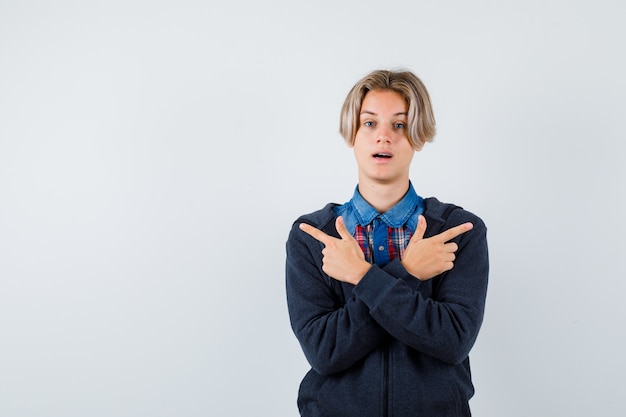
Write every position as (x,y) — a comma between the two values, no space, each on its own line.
(383,196)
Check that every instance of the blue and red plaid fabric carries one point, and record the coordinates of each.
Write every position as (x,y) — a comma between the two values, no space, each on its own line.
(397,240)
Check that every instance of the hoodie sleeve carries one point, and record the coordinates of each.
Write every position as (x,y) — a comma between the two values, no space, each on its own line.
(444,322)
(334,333)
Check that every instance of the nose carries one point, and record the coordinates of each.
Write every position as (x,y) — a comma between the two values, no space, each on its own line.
(383,136)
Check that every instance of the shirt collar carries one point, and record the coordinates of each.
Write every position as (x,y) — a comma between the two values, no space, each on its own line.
(395,217)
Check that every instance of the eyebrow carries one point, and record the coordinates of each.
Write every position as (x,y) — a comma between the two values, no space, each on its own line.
(402,113)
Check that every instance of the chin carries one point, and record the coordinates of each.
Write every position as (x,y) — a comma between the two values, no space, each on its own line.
(385,179)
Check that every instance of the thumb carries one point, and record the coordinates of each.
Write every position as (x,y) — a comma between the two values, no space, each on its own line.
(341,229)
(421,228)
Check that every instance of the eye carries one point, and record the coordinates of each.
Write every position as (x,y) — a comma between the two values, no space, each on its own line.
(369,123)
(399,125)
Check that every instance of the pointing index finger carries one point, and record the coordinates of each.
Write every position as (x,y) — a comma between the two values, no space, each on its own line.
(453,232)
(316,233)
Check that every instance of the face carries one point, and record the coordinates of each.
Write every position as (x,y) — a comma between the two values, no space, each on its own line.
(382,149)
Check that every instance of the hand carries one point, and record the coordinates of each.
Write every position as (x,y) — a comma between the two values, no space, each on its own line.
(427,258)
(343,258)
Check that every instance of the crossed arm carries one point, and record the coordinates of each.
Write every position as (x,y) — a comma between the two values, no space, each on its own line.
(335,332)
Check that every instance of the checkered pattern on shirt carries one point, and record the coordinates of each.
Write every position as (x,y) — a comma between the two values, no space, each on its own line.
(397,240)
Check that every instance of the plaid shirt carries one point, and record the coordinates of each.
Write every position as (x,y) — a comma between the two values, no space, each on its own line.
(397,240)
(382,236)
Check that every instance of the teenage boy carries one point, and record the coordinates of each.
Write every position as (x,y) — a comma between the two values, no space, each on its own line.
(386,292)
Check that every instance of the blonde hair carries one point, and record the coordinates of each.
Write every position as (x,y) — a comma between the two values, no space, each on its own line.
(421,120)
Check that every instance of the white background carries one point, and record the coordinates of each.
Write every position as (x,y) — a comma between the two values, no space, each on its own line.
(153,155)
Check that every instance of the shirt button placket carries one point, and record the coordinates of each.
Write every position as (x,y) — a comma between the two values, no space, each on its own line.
(381,256)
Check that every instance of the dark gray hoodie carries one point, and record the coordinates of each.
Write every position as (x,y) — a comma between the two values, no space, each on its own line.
(392,345)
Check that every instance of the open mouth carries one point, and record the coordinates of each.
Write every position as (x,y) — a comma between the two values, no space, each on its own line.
(382,155)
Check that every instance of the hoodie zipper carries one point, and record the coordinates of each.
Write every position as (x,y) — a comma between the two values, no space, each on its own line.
(386,382)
